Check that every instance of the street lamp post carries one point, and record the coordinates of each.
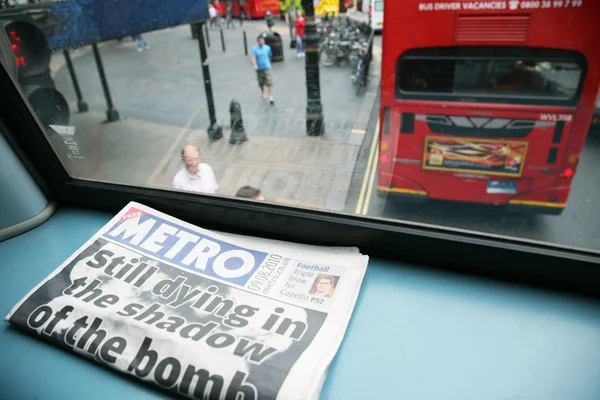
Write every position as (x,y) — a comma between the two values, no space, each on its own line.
(315,124)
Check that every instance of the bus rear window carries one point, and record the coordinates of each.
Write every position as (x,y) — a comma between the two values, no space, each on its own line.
(490,77)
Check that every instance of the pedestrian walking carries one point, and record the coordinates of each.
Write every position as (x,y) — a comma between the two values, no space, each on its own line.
(290,16)
(300,24)
(261,61)
(212,13)
(220,12)
(141,42)
(230,16)
(269,19)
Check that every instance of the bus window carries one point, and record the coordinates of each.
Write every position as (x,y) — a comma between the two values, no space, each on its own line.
(490,79)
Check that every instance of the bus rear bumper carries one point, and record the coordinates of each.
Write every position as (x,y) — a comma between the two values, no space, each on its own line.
(528,207)
(535,207)
(406,195)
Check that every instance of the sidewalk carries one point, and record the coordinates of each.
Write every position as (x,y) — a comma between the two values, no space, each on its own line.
(161,99)
(310,172)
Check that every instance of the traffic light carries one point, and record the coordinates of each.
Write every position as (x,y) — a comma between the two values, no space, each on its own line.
(32,54)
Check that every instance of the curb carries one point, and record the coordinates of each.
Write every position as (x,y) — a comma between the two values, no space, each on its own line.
(359,129)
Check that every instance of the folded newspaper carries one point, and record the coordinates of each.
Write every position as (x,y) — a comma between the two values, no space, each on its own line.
(201,313)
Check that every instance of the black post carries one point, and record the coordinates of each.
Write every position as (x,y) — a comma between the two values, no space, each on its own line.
(342,9)
(315,124)
(222,40)
(111,113)
(245,44)
(238,133)
(215,132)
(205,27)
(81,104)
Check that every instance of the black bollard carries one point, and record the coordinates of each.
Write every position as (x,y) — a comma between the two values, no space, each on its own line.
(111,113)
(238,133)
(81,104)
(222,40)
(245,44)
(206,35)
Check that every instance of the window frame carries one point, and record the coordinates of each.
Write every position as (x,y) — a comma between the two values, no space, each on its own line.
(506,258)
(497,53)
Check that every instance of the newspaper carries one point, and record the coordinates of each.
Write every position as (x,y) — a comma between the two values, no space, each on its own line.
(201,313)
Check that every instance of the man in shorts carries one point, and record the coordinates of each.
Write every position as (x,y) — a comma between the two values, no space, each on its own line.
(261,61)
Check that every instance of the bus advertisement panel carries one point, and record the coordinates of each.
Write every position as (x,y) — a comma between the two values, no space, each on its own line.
(491,157)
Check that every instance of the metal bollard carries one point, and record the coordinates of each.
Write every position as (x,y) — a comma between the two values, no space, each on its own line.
(222,40)
(206,35)
(111,112)
(245,44)
(81,104)
(238,133)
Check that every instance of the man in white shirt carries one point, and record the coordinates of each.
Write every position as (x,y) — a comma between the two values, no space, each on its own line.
(195,177)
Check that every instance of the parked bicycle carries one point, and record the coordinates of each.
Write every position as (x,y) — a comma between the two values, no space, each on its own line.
(335,49)
(342,40)
(359,77)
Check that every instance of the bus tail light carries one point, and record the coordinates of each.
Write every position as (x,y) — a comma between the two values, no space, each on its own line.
(570,166)
(573,159)
(387,147)
(383,152)
(568,173)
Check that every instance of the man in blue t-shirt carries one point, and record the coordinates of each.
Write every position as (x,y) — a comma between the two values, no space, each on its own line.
(261,61)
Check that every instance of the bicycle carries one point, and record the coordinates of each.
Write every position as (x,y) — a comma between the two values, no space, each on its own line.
(359,76)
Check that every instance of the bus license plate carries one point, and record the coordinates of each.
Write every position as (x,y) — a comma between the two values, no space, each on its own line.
(502,187)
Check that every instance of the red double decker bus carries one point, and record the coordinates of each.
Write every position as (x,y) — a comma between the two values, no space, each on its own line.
(251,9)
(487,101)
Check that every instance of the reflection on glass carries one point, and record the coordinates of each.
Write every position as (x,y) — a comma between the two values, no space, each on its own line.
(478,123)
